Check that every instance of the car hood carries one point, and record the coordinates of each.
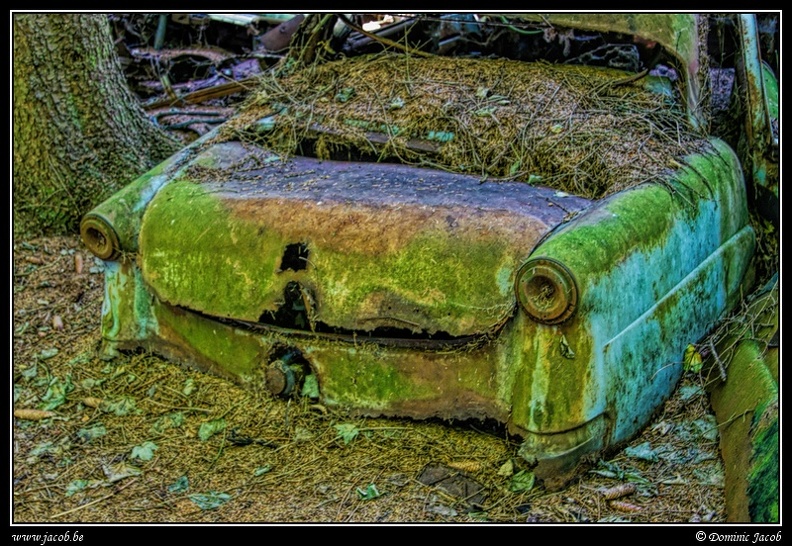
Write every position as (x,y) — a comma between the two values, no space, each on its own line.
(342,246)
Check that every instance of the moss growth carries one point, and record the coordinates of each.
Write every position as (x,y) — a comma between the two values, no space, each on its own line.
(450,284)
(200,235)
(764,475)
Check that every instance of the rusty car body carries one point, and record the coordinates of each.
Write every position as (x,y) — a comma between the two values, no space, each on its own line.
(403,290)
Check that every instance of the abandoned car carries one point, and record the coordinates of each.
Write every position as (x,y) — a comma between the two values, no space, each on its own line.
(517,218)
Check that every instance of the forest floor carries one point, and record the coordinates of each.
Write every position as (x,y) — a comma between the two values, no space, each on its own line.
(139,439)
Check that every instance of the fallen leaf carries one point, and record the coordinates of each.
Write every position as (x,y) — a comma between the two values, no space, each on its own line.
(91,433)
(91,401)
(57,322)
(78,485)
(522,481)
(179,486)
(310,387)
(121,406)
(118,472)
(347,432)
(171,420)
(370,493)
(189,387)
(506,469)
(56,392)
(691,360)
(144,452)
(642,451)
(209,501)
(210,428)
(46,354)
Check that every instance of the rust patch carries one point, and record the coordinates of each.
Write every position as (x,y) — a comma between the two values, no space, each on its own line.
(371,209)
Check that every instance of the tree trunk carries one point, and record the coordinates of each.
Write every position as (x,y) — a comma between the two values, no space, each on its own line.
(79,133)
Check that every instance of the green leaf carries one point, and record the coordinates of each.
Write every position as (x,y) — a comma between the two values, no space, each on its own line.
(170,420)
(534,179)
(707,428)
(19,390)
(122,406)
(396,103)
(76,486)
(120,471)
(370,492)
(48,353)
(710,475)
(486,111)
(91,433)
(686,392)
(144,452)
(82,358)
(642,451)
(90,383)
(506,469)
(347,432)
(189,387)
(44,448)
(515,167)
(209,501)
(179,486)
(691,361)
(310,387)
(440,136)
(260,471)
(557,128)
(56,393)
(30,372)
(345,94)
(210,428)
(522,481)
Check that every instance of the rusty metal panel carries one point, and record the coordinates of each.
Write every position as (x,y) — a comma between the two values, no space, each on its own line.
(384,245)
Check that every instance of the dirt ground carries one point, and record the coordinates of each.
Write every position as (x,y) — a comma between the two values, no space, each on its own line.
(138,439)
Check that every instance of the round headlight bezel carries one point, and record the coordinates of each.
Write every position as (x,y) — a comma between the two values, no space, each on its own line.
(547,290)
(100,237)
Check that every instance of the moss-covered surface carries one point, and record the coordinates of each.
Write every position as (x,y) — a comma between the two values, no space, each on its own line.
(764,477)
(390,246)
(746,407)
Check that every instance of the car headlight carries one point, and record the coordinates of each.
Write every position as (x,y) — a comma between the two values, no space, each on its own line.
(547,290)
(100,237)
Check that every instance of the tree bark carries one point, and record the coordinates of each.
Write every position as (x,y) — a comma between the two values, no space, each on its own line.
(78,132)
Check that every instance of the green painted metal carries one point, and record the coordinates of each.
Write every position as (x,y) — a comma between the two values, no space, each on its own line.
(581,385)
(410,299)
(379,262)
(121,214)
(760,94)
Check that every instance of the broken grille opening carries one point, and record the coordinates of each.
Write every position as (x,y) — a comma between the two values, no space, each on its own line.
(295,257)
(293,315)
